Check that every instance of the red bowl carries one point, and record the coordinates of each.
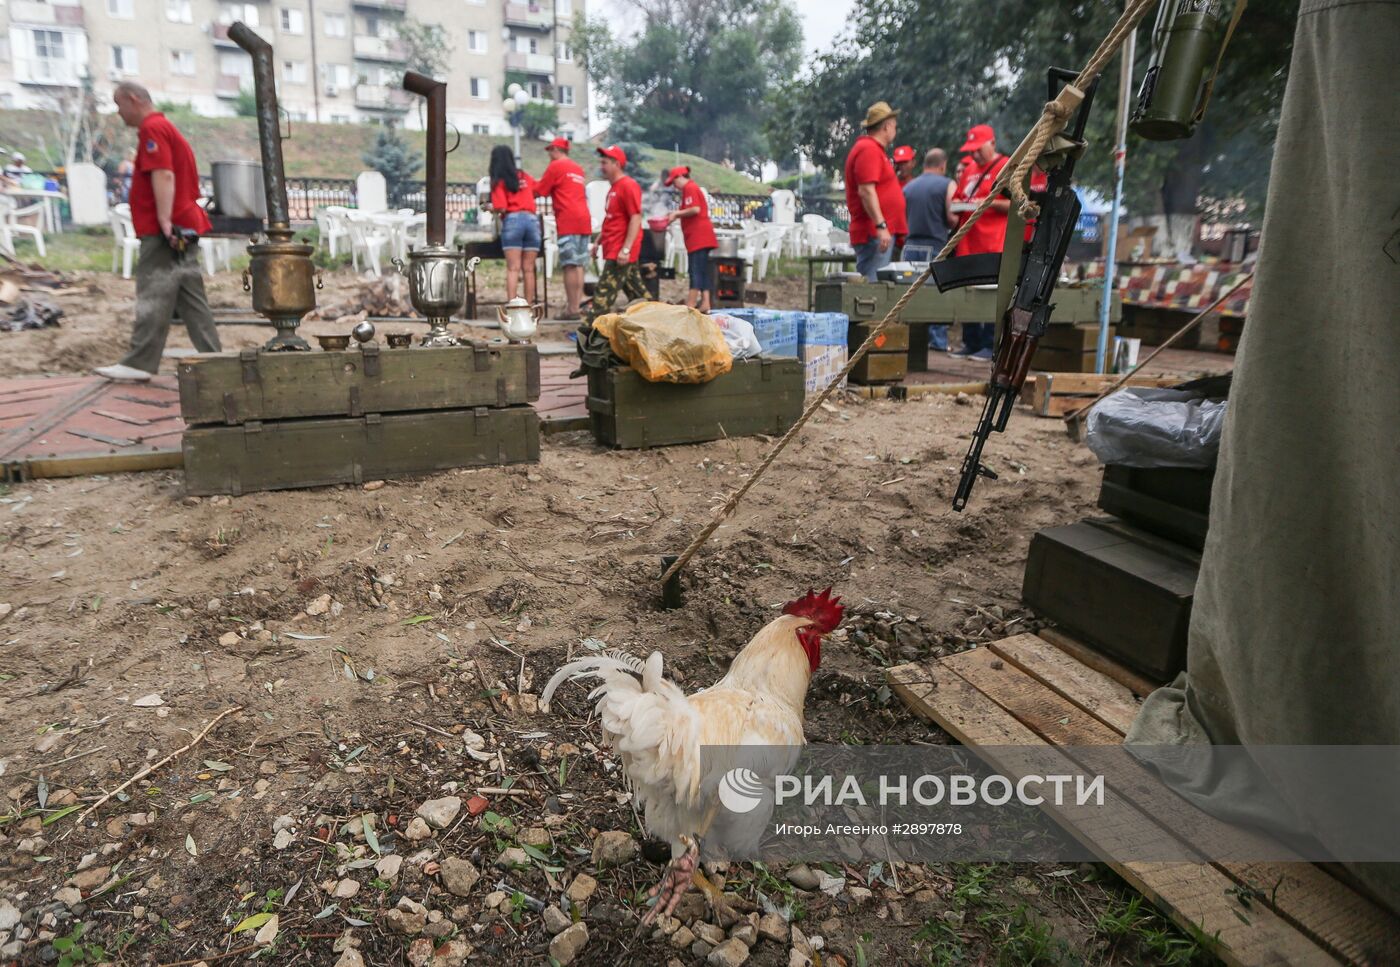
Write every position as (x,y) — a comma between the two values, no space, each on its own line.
(656,224)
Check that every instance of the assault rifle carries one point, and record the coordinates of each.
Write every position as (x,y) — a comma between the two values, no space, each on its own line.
(1029,311)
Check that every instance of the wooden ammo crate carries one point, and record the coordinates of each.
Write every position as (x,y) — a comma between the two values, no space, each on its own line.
(881,368)
(311,452)
(1059,394)
(255,385)
(1171,502)
(1120,589)
(756,396)
(894,337)
(870,301)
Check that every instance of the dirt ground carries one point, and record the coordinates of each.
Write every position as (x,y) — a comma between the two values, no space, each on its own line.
(373,638)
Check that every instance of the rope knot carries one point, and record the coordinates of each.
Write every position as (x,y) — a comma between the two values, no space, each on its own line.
(1058,111)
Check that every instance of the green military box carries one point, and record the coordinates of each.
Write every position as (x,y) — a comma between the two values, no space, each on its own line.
(1119,589)
(1171,502)
(894,337)
(757,396)
(254,385)
(870,301)
(881,368)
(311,452)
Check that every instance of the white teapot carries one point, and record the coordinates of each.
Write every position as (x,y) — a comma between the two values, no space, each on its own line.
(519,319)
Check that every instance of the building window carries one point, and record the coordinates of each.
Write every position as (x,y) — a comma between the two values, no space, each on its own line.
(476,41)
(563,8)
(123,59)
(563,54)
(236,64)
(566,95)
(337,77)
(182,62)
(335,25)
(292,22)
(340,119)
(294,71)
(379,27)
(246,12)
(538,89)
(121,9)
(52,57)
(179,12)
(481,89)
(480,128)
(525,45)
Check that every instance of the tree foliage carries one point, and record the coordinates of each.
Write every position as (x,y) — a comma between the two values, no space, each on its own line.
(538,118)
(698,75)
(949,64)
(391,156)
(426,47)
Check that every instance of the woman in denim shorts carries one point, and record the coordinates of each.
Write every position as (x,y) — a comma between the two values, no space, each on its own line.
(513,201)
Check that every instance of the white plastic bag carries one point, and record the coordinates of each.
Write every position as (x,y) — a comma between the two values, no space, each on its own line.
(738,335)
(1156,428)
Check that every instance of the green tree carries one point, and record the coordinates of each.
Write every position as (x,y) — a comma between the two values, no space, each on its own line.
(392,157)
(426,47)
(698,75)
(246,104)
(538,118)
(949,64)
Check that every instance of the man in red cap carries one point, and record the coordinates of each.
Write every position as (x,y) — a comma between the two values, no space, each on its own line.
(622,225)
(873,195)
(904,164)
(562,183)
(699,234)
(988,233)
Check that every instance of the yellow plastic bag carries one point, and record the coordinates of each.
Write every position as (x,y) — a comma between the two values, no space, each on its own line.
(666,343)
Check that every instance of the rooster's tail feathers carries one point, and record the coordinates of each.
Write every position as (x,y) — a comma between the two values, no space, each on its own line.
(597,666)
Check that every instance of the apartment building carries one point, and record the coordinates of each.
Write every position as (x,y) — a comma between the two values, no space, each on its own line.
(338,61)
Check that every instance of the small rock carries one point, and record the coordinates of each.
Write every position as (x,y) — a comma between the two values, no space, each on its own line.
(152,700)
(374,485)
(773,927)
(62,797)
(214,606)
(439,813)
(90,879)
(229,639)
(267,932)
(9,915)
(859,895)
(283,839)
(405,922)
(682,938)
(746,933)
(802,877)
(569,944)
(700,949)
(536,836)
(417,830)
(709,933)
(731,953)
(420,952)
(69,896)
(454,953)
(388,867)
(581,890)
(512,857)
(346,888)
(350,957)
(613,848)
(459,875)
(556,921)
(962,399)
(476,805)
(493,899)
(48,742)
(439,928)
(5,610)
(797,958)
(320,606)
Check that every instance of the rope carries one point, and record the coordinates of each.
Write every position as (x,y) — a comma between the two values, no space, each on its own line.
(1052,120)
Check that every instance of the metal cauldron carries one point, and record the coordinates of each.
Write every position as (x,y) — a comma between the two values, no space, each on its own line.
(238,189)
(728,247)
(437,287)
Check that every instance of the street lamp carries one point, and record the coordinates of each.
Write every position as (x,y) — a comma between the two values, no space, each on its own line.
(514,105)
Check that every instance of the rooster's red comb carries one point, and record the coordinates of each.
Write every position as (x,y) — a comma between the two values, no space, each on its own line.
(824,609)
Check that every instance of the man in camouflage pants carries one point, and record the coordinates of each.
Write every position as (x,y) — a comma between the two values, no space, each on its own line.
(619,238)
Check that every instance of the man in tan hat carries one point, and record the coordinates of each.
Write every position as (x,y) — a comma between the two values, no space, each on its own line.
(873,195)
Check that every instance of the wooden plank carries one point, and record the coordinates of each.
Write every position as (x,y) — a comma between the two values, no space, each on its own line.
(1042,387)
(82,465)
(1082,653)
(1195,896)
(1109,701)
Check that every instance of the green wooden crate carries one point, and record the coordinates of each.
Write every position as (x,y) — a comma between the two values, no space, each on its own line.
(756,396)
(870,301)
(308,453)
(233,388)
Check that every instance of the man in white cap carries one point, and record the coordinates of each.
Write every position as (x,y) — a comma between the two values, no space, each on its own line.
(17,167)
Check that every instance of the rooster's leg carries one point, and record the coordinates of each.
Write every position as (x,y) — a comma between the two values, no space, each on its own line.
(723,914)
(679,874)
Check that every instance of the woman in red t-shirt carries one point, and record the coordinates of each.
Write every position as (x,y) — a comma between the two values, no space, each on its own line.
(513,201)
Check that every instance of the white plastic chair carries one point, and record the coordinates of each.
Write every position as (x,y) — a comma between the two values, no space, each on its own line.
(367,239)
(415,231)
(331,227)
(214,251)
(124,240)
(597,194)
(551,245)
(770,246)
(10,226)
(817,229)
(675,248)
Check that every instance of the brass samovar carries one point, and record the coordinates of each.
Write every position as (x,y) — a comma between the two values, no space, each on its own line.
(281,275)
(437,275)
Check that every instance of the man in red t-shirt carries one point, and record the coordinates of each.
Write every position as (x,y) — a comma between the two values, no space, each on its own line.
(164,197)
(979,173)
(622,226)
(873,195)
(904,164)
(562,182)
(699,234)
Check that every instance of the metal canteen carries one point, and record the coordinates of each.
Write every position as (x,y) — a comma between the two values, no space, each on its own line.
(519,319)
(437,287)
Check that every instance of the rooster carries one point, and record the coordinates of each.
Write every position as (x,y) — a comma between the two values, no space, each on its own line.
(660,731)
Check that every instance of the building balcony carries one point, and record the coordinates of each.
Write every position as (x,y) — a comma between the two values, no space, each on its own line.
(393,5)
(231,85)
(380,49)
(529,63)
(377,97)
(538,16)
(45,14)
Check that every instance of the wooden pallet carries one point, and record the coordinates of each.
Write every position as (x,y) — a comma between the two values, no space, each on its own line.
(1059,394)
(1026,691)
